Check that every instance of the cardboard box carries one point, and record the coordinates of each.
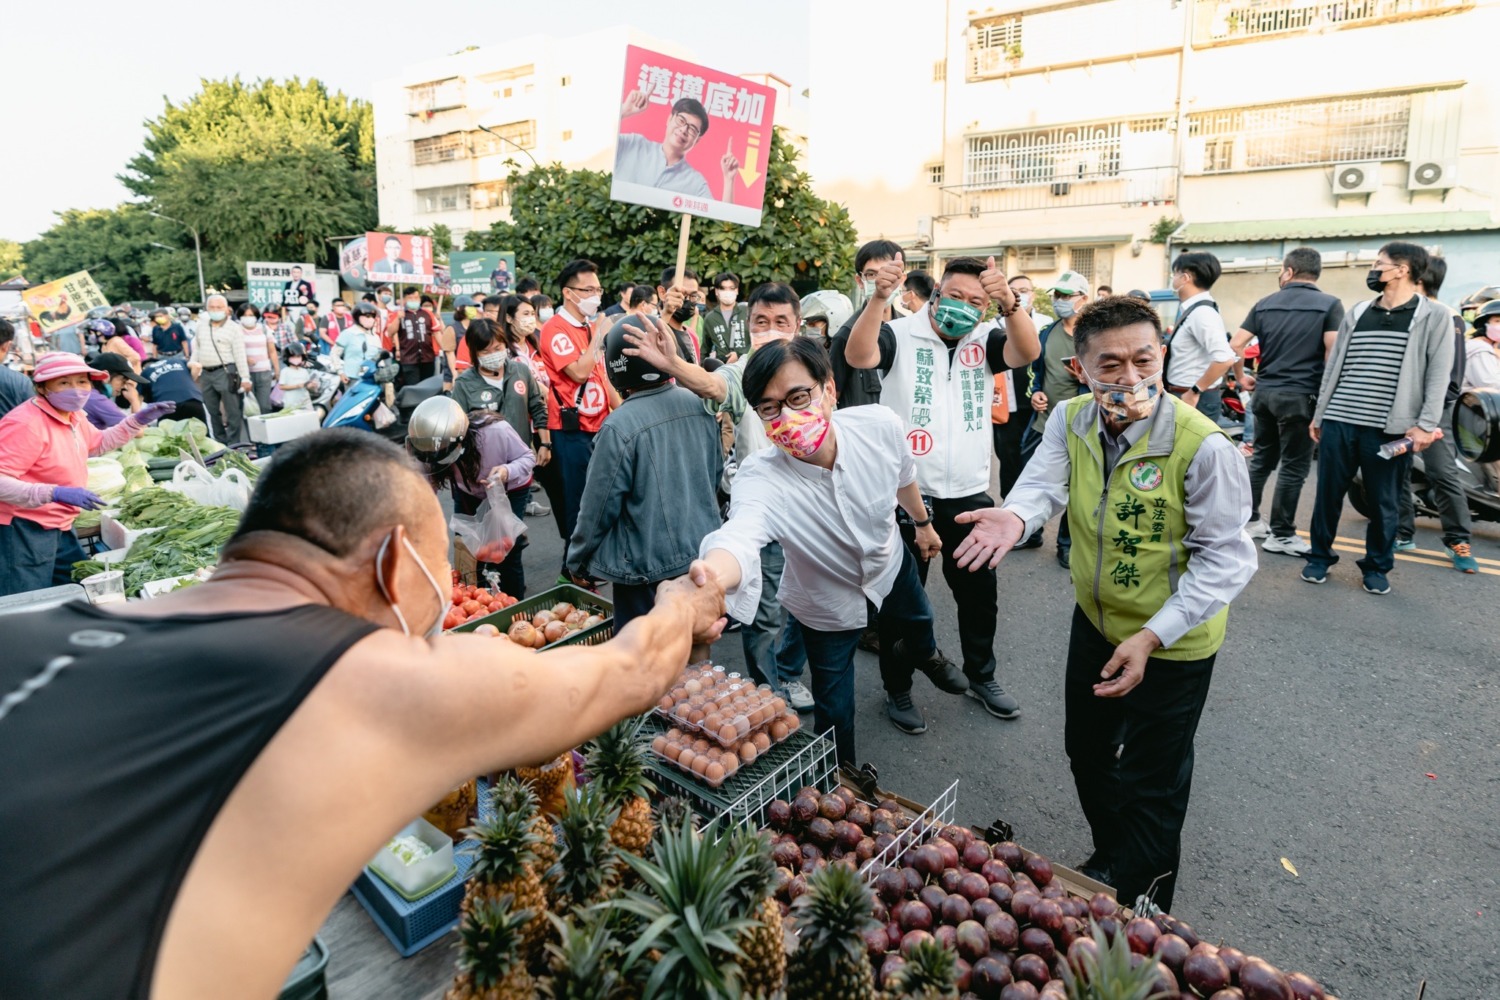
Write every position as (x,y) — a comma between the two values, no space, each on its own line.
(465,563)
(282,427)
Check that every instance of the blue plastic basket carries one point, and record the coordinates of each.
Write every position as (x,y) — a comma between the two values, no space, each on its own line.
(412,926)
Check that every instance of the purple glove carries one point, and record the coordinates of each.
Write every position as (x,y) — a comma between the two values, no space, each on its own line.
(77,496)
(152,412)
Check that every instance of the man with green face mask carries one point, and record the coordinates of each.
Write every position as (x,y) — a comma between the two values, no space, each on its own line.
(939,366)
(1159,497)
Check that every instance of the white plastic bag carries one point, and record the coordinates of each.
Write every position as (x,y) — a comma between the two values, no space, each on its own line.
(249,405)
(493,530)
(198,484)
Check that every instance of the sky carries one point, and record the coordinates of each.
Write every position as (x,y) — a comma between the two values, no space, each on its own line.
(92,72)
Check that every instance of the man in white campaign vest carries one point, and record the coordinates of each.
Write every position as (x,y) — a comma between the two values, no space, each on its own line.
(938,367)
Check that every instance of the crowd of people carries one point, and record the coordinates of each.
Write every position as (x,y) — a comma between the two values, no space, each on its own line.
(812,456)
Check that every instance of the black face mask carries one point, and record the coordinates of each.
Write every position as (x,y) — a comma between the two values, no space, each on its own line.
(685,312)
(1374,282)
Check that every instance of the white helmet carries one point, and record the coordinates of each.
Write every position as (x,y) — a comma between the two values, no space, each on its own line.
(435,433)
(828,305)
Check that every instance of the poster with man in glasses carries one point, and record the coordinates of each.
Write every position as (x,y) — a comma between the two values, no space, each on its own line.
(692,139)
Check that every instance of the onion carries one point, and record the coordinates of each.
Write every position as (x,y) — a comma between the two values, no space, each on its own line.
(1021,904)
(975,854)
(1165,984)
(982,908)
(950,880)
(1001,894)
(988,977)
(927,861)
(932,896)
(1003,931)
(995,872)
(1047,915)
(1039,868)
(948,851)
(974,886)
(957,836)
(915,916)
(912,939)
(1232,958)
(1019,991)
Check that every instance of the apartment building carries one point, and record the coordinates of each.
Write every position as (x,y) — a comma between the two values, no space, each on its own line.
(1105,135)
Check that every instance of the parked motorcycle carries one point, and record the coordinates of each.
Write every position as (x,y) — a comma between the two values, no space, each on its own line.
(362,405)
(1476,431)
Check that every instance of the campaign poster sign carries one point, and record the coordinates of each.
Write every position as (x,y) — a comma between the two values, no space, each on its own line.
(398,259)
(278,283)
(692,139)
(483,272)
(352,264)
(63,302)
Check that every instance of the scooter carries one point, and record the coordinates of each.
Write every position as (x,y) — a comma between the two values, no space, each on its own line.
(362,405)
(1476,426)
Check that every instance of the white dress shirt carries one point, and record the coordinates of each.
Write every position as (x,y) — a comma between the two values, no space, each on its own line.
(1216,489)
(1199,341)
(837,527)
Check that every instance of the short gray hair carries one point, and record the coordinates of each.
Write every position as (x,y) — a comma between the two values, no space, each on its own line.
(215,295)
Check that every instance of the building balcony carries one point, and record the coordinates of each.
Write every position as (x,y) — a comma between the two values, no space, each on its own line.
(1130,188)
(1219,22)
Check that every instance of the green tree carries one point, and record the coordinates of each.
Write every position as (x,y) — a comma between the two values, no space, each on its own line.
(559,214)
(10,259)
(264,171)
(112,244)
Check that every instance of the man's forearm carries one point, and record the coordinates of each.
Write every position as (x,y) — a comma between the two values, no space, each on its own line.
(863,348)
(725,566)
(910,498)
(1215,372)
(1023,344)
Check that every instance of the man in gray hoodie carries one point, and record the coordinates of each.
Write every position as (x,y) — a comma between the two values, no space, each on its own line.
(1384,381)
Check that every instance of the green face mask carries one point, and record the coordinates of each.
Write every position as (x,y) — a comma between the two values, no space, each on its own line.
(955,319)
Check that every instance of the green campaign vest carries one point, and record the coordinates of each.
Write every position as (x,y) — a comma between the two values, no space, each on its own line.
(1128,530)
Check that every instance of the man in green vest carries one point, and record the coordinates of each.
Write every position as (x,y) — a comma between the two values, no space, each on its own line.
(1158,498)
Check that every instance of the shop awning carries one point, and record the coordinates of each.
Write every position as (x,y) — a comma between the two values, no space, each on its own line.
(1392,225)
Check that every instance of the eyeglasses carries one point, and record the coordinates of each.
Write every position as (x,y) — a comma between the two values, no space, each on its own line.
(586,292)
(685,124)
(797,399)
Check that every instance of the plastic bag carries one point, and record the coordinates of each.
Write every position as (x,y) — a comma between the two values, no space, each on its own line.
(193,481)
(493,530)
(249,405)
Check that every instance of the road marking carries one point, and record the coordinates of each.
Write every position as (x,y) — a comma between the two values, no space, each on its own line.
(1359,550)
(1444,559)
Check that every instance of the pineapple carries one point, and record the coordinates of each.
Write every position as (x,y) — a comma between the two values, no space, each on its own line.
(588,867)
(490,966)
(503,866)
(586,960)
(764,964)
(830,959)
(686,922)
(548,779)
(1108,973)
(675,812)
(929,974)
(512,795)
(617,762)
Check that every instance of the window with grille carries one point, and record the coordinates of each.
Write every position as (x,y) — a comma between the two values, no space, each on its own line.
(935,174)
(494,194)
(439,149)
(1304,133)
(1081,259)
(1036,258)
(450,198)
(993,43)
(1066,154)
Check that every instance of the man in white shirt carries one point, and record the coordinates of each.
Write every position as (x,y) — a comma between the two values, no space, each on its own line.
(1159,497)
(224,374)
(939,367)
(664,164)
(1200,353)
(827,493)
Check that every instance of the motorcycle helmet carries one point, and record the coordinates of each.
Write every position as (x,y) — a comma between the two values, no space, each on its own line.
(293,350)
(1482,317)
(366,309)
(102,328)
(435,433)
(1489,293)
(463,302)
(627,373)
(831,307)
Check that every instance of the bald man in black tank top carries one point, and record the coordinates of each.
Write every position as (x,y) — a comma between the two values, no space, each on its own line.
(189,784)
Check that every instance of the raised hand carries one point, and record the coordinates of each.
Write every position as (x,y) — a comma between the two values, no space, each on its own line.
(729,162)
(995,285)
(635,103)
(655,345)
(704,595)
(152,412)
(889,278)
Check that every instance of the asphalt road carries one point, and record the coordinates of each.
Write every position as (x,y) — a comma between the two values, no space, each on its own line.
(1357,737)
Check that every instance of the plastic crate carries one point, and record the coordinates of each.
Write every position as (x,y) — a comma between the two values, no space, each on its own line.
(412,926)
(308,980)
(801,759)
(566,593)
(926,823)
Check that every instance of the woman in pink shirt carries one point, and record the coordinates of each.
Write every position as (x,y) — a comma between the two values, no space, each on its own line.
(45,444)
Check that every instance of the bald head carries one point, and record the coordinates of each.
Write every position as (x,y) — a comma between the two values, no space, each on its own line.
(339,488)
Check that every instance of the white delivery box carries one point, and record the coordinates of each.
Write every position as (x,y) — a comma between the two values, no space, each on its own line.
(280,427)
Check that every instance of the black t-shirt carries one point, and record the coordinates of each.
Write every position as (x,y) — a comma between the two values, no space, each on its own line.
(861,386)
(1290,324)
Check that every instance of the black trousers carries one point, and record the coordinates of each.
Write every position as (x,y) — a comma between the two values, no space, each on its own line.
(1134,803)
(1346,449)
(1440,463)
(976,594)
(1281,439)
(1008,449)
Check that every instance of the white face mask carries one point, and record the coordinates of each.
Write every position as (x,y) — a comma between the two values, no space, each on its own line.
(543,314)
(248,322)
(727,296)
(589,306)
(1025,299)
(526,324)
(437,622)
(493,361)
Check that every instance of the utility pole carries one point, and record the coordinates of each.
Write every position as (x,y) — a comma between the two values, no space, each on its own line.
(197,252)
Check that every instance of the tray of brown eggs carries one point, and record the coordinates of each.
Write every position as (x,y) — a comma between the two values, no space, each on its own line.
(726,709)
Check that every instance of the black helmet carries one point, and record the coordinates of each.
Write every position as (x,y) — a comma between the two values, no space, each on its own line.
(1488,293)
(1482,317)
(365,309)
(293,350)
(627,373)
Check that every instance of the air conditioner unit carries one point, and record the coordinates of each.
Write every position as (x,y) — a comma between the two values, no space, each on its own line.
(1356,178)
(1061,188)
(1431,175)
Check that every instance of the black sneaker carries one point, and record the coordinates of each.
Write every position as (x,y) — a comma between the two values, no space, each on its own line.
(1065,558)
(943,672)
(995,700)
(1033,542)
(905,715)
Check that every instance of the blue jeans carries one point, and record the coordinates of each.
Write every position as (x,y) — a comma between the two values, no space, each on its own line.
(33,557)
(757,636)
(1343,450)
(791,655)
(571,451)
(904,614)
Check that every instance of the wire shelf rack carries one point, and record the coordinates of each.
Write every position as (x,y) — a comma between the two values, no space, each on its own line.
(928,821)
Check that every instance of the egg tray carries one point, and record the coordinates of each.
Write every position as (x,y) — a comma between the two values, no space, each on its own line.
(674,720)
(664,760)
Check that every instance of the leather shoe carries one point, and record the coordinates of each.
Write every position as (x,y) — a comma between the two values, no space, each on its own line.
(943,672)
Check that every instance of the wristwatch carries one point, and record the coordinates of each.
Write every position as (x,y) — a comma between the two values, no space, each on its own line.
(922,524)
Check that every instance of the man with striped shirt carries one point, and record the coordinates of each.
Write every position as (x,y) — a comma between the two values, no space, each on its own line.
(1385,380)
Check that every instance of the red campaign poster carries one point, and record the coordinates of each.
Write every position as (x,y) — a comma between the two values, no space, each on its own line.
(398,258)
(692,139)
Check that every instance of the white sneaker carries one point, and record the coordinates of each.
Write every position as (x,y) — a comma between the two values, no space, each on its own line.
(1258,529)
(799,696)
(534,509)
(1294,546)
